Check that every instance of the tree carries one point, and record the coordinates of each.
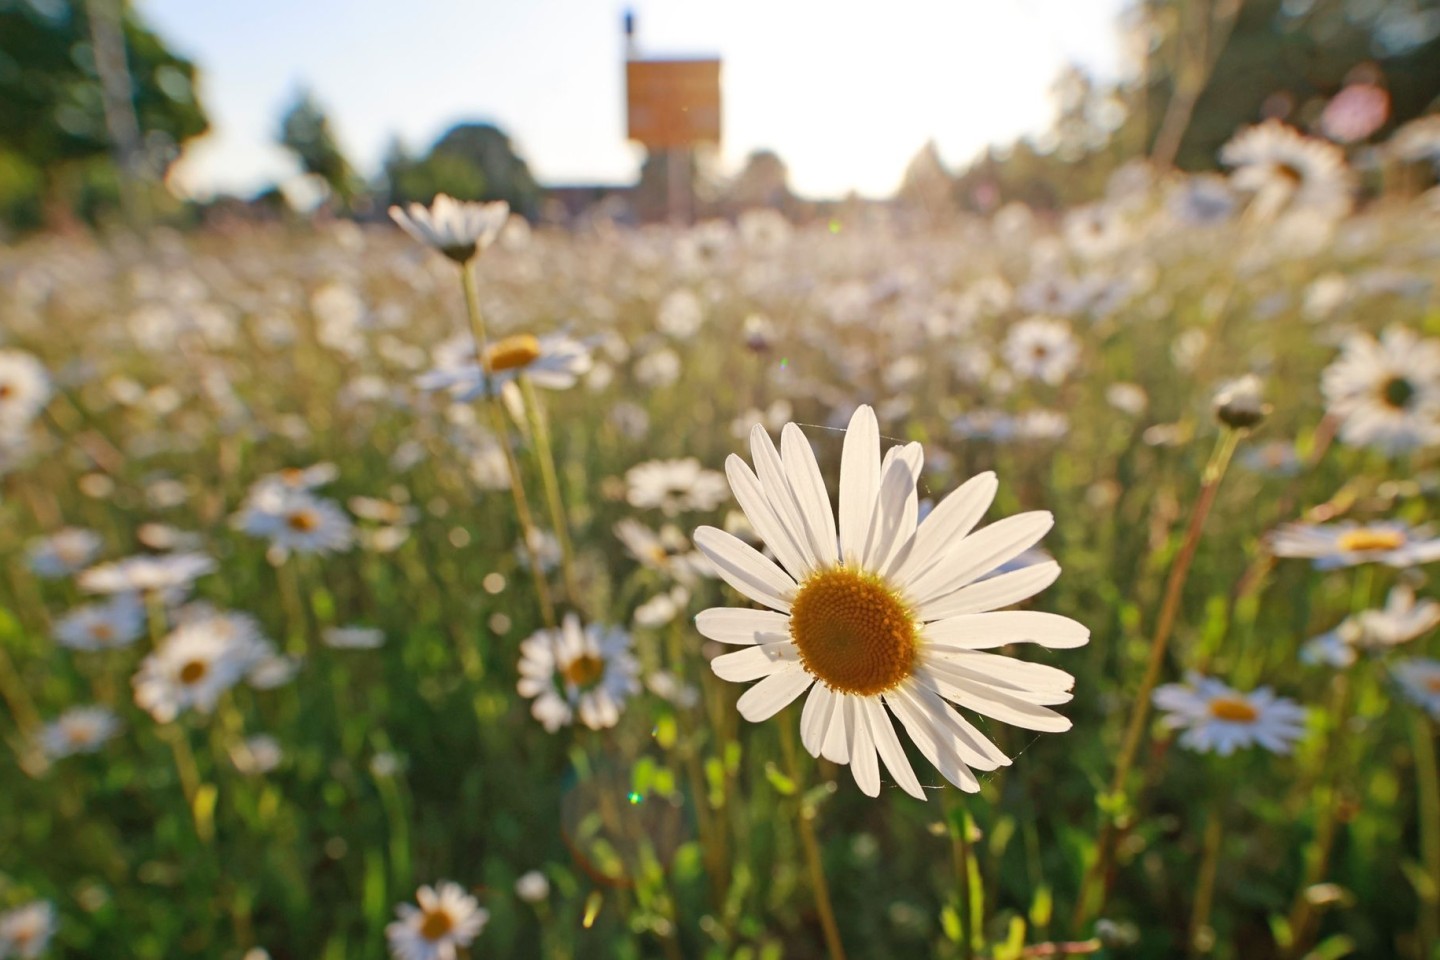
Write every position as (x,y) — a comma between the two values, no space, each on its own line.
(54,143)
(305,131)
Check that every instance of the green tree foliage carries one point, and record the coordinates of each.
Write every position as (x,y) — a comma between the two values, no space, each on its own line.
(305,131)
(472,161)
(54,149)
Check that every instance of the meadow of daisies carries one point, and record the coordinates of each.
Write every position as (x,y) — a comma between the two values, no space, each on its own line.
(1027,586)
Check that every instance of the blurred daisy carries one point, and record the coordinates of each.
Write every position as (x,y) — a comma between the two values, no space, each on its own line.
(572,672)
(117,622)
(447,918)
(1128,398)
(63,552)
(555,361)
(1386,393)
(1285,168)
(1276,458)
(1420,680)
(1041,349)
(674,486)
(78,730)
(297,478)
(25,932)
(665,551)
(532,887)
(1217,719)
(1401,620)
(352,638)
(882,612)
(1240,403)
(24,389)
(257,755)
(457,229)
(1347,544)
(193,666)
(295,519)
(170,575)
(1096,231)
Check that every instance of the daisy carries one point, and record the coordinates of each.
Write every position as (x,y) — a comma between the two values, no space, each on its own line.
(532,887)
(447,918)
(294,519)
(1334,545)
(25,932)
(1041,349)
(1240,403)
(78,730)
(555,361)
(457,229)
(1283,167)
(298,478)
(882,611)
(1419,678)
(1217,719)
(1386,393)
(193,666)
(674,486)
(665,551)
(63,552)
(24,389)
(257,755)
(573,671)
(352,638)
(117,622)
(171,575)
(1401,620)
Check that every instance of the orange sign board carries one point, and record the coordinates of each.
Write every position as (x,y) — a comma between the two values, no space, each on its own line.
(673,103)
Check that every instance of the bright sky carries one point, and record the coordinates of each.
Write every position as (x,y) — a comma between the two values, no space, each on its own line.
(845,92)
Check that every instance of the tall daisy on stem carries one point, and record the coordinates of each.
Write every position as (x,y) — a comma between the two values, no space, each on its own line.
(462,231)
(877,613)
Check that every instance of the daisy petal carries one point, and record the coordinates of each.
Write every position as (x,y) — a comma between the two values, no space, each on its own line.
(774,693)
(950,521)
(810,493)
(933,745)
(750,494)
(992,593)
(752,663)
(840,732)
(973,746)
(894,519)
(1006,707)
(771,470)
(982,631)
(981,552)
(863,763)
(745,569)
(859,482)
(741,625)
(882,732)
(815,718)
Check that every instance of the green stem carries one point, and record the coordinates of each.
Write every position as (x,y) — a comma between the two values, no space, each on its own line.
(1428,788)
(545,457)
(811,844)
(1201,938)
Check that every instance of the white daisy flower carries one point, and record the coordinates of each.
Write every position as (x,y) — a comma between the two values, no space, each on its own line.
(24,389)
(352,638)
(1285,168)
(532,887)
(1217,719)
(63,552)
(457,229)
(193,666)
(78,730)
(170,575)
(297,478)
(573,672)
(1240,403)
(666,551)
(295,519)
(1419,678)
(1275,458)
(1041,349)
(674,486)
(117,622)
(1386,393)
(882,611)
(25,932)
(1128,398)
(555,361)
(1096,231)
(446,919)
(1401,620)
(257,755)
(1334,545)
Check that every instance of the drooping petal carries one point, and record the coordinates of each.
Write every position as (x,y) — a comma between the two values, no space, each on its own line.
(863,762)
(745,569)
(815,718)
(882,733)
(774,693)
(841,731)
(976,749)
(933,744)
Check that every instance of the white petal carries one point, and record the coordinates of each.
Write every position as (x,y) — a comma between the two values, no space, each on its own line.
(979,553)
(810,493)
(981,631)
(863,762)
(740,625)
(991,701)
(1004,671)
(752,663)
(992,593)
(951,520)
(840,732)
(895,511)
(750,494)
(745,569)
(859,482)
(976,749)
(889,748)
(815,718)
(774,693)
(934,745)
(771,470)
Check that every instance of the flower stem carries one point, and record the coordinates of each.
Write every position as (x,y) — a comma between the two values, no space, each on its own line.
(1201,938)
(502,435)
(545,457)
(963,856)
(1092,888)
(811,844)
(1428,784)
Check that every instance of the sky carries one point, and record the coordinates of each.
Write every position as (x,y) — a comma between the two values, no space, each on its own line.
(845,92)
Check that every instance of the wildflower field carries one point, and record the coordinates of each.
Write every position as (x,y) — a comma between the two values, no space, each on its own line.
(470,593)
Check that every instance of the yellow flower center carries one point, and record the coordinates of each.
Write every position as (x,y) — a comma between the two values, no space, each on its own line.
(77,735)
(6,391)
(853,631)
(512,353)
(302,521)
(102,632)
(1233,709)
(1433,684)
(292,476)
(435,924)
(584,670)
(193,672)
(1290,173)
(1359,541)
